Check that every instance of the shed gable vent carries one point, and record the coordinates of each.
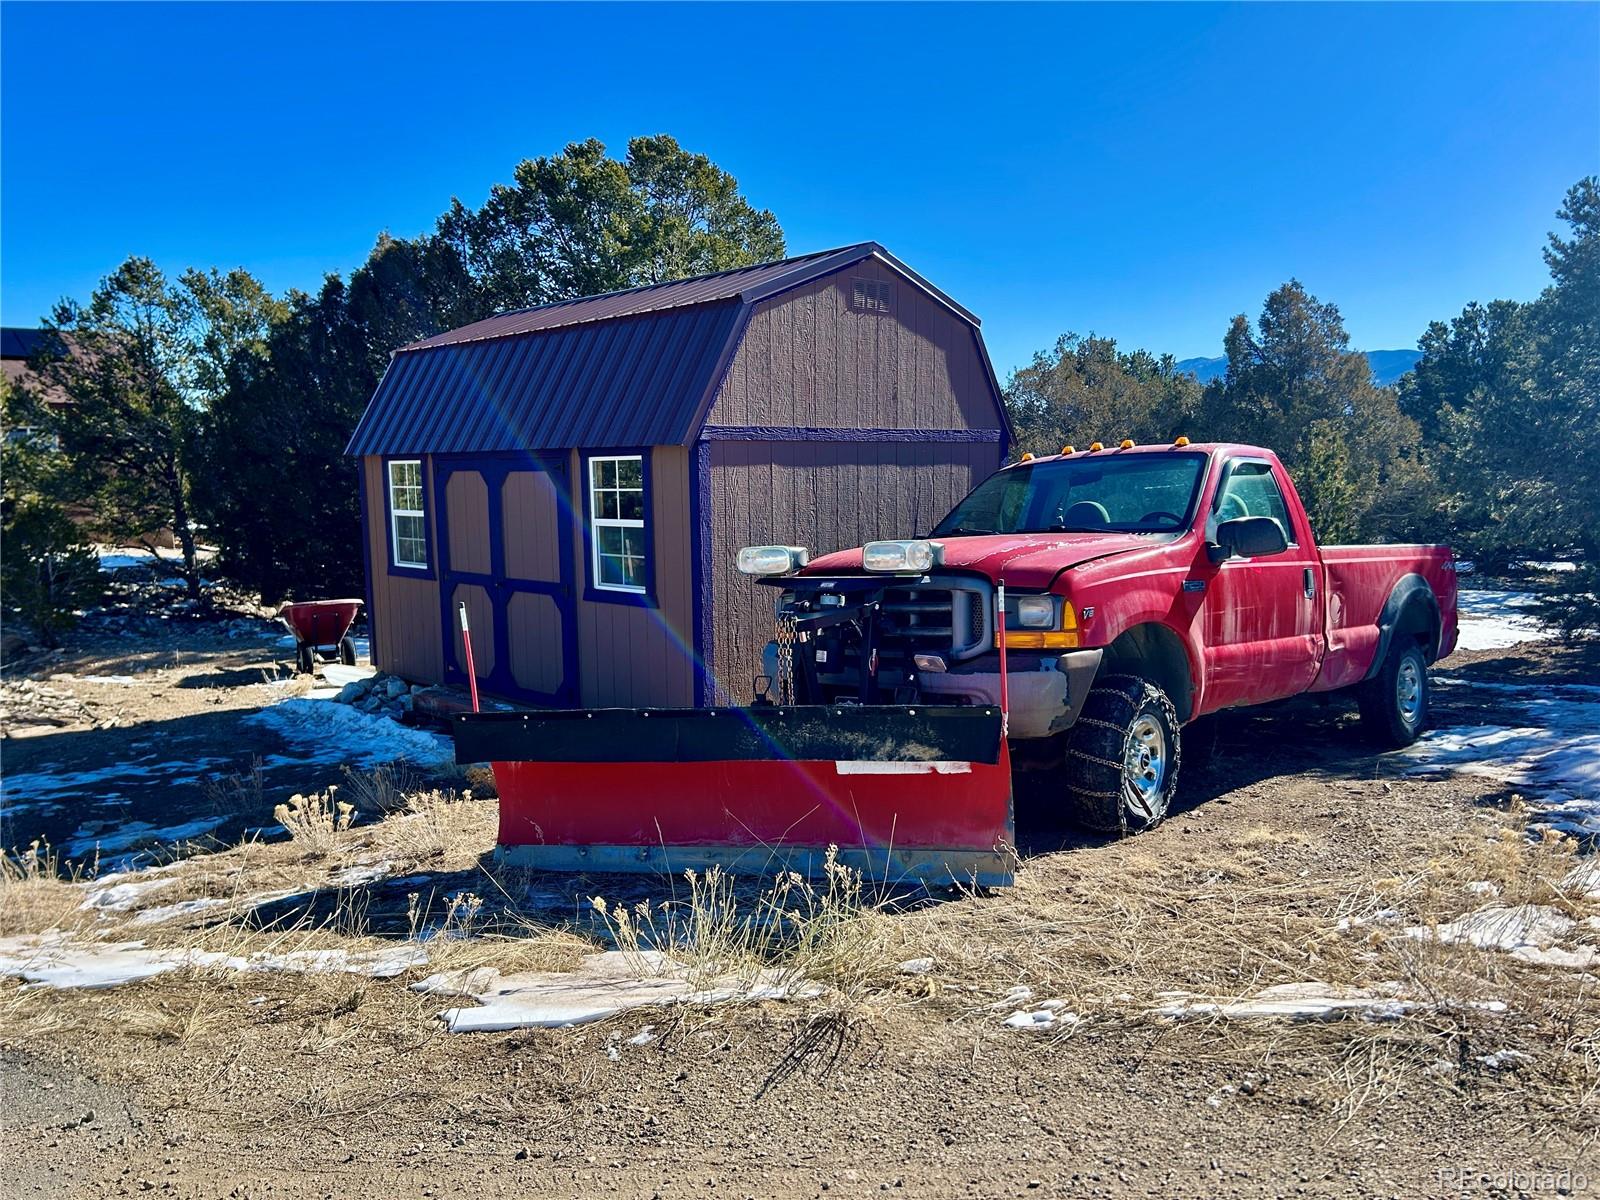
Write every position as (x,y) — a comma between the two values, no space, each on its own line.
(872,295)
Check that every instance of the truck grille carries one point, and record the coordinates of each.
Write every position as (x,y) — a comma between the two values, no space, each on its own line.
(934,620)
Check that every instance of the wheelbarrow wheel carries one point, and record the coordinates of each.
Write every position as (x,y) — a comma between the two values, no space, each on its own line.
(306,659)
(347,651)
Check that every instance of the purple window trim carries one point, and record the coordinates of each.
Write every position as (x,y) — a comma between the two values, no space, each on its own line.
(600,595)
(366,562)
(799,433)
(700,568)
(393,568)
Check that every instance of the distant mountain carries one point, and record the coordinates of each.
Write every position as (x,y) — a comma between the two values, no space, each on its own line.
(1387,366)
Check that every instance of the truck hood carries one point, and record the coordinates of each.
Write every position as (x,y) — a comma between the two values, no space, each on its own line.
(1023,560)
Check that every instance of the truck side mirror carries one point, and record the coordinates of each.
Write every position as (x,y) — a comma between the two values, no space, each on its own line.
(1247,537)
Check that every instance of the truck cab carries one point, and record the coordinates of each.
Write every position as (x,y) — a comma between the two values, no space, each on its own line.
(1141,587)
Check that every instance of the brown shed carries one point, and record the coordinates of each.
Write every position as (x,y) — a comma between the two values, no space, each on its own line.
(582,474)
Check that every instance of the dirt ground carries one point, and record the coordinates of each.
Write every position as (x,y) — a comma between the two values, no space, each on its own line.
(1298,854)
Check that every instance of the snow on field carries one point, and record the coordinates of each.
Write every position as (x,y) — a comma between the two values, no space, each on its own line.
(55,961)
(117,558)
(604,984)
(1550,744)
(335,733)
(1527,932)
(1309,1001)
(138,833)
(29,787)
(1492,619)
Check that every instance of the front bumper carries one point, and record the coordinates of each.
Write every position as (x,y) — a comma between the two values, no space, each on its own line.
(1047,691)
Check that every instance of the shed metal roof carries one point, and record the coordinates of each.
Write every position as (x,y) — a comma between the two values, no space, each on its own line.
(630,368)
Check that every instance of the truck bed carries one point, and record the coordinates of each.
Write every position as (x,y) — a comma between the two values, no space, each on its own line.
(1357,581)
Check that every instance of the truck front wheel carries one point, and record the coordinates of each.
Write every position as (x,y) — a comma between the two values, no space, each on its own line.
(1122,756)
(1394,702)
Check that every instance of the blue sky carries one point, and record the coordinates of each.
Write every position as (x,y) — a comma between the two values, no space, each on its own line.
(1142,172)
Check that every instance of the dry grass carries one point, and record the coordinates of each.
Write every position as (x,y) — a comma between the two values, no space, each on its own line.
(37,892)
(1109,931)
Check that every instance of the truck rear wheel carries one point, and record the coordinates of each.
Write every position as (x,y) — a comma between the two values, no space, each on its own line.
(1122,756)
(1394,702)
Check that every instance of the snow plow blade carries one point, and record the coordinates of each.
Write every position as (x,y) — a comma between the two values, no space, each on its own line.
(907,794)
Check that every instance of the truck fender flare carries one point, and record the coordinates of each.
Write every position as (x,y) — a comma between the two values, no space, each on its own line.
(1412,608)
(1169,657)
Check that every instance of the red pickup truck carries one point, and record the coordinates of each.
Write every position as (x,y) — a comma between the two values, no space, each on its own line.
(1144,586)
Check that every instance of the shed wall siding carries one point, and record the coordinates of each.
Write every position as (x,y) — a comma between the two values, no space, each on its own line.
(408,640)
(827,496)
(628,655)
(809,359)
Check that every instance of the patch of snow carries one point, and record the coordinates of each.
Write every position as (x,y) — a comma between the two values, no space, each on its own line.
(139,833)
(1559,567)
(644,1037)
(361,874)
(35,785)
(115,680)
(1583,880)
(916,966)
(1384,916)
(1528,932)
(604,984)
(1309,1001)
(1492,619)
(120,897)
(334,733)
(1482,887)
(1553,747)
(52,960)
(1018,995)
(1501,1059)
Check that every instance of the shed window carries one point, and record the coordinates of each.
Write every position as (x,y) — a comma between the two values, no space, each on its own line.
(616,523)
(871,295)
(408,529)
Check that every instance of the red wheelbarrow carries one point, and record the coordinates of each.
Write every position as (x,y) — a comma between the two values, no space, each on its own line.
(317,623)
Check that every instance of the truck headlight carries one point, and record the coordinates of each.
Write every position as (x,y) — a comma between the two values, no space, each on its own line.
(1035,612)
(772,560)
(911,557)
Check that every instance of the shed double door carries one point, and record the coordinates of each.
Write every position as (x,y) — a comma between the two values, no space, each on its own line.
(505,551)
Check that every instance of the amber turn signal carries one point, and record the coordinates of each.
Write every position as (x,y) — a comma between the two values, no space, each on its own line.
(1055,639)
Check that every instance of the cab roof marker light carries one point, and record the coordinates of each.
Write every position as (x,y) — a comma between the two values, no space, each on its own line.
(1180,440)
(1069,450)
(1093,446)
(1027,456)
(1125,444)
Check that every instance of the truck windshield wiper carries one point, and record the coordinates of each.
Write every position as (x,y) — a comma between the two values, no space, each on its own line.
(963,531)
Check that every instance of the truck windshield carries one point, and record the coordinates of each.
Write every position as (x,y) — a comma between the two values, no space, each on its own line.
(1136,493)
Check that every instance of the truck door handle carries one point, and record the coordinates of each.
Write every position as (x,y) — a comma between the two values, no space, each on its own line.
(1311,583)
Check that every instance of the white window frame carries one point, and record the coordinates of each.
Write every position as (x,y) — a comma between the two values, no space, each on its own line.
(395,512)
(597,522)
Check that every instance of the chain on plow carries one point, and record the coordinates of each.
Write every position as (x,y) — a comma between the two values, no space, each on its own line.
(785,637)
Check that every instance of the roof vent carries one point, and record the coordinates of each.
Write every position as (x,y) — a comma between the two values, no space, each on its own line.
(872,295)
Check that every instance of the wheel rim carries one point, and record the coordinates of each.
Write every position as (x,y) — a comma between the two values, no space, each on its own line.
(1408,691)
(1144,763)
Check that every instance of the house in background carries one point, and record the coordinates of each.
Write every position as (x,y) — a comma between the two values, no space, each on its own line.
(581,474)
(20,350)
